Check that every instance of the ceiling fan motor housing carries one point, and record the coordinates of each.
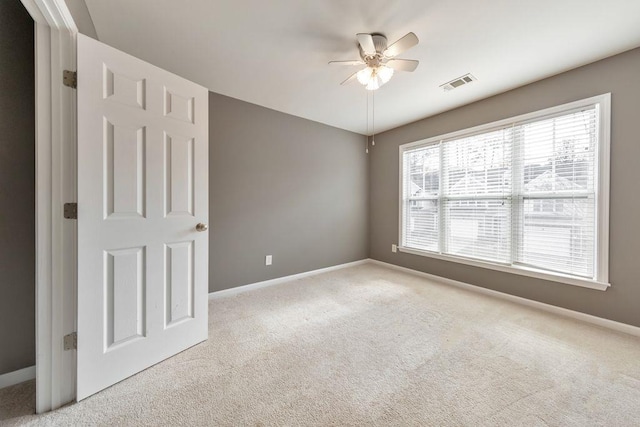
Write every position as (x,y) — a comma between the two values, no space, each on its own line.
(375,60)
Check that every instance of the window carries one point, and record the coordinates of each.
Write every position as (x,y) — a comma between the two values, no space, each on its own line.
(527,195)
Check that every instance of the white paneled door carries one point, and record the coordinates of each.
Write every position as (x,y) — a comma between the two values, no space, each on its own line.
(142,191)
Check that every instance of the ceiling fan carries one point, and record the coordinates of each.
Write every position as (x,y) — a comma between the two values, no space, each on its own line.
(379,59)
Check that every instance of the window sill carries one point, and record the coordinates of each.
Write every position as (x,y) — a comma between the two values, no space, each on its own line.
(523,271)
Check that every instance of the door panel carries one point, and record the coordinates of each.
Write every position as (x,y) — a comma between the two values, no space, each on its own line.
(125,290)
(142,188)
(179,174)
(125,170)
(179,282)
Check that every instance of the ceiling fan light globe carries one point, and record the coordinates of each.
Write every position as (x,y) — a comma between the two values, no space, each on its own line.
(373,84)
(385,73)
(365,75)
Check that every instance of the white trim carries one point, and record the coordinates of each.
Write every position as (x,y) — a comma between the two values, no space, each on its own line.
(588,318)
(44,235)
(600,279)
(55,50)
(279,280)
(603,187)
(513,269)
(17,377)
(401,195)
(51,13)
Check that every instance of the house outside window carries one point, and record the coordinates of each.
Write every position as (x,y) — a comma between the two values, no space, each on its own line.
(528,195)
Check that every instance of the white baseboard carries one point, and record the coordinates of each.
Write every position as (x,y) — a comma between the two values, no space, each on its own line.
(266,283)
(17,377)
(599,321)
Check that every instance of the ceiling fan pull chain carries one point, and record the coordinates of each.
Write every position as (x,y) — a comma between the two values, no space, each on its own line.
(373,118)
(366,150)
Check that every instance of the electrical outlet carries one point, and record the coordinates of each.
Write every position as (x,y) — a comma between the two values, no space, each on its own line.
(394,248)
(268,259)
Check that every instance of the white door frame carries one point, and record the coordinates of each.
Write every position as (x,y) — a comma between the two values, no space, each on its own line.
(56,258)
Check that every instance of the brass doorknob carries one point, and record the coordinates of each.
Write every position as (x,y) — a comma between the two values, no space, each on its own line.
(202,227)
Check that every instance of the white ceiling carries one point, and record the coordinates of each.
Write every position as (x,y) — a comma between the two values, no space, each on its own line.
(274,53)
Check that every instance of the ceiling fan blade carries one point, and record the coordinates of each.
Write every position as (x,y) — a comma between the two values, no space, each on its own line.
(350,78)
(354,62)
(403,64)
(406,42)
(366,43)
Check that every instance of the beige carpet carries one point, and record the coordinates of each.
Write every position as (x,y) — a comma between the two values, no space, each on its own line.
(372,346)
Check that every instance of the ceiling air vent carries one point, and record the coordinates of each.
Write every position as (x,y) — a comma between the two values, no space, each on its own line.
(460,81)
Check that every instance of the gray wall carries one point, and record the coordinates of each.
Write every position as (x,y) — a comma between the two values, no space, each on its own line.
(283,186)
(618,75)
(81,17)
(17,188)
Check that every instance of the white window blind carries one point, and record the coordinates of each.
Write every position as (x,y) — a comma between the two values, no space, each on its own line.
(523,193)
(422,183)
(557,219)
(476,195)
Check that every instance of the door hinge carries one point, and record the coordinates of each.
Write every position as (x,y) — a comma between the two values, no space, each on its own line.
(71,341)
(71,210)
(70,79)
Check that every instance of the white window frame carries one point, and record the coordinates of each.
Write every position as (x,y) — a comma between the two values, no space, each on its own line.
(600,281)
